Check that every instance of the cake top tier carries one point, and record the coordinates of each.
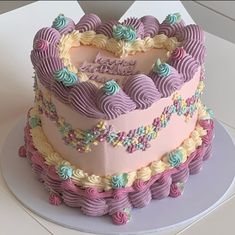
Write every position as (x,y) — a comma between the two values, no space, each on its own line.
(106,69)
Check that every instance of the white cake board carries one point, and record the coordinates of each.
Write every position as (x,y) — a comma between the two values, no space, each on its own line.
(202,192)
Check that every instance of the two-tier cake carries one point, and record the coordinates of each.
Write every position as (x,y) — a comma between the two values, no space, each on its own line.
(117,119)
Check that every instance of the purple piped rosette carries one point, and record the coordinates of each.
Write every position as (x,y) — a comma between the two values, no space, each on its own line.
(171,25)
(183,62)
(166,78)
(118,201)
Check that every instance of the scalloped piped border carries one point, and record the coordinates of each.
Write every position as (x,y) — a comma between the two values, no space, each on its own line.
(51,158)
(118,47)
(117,202)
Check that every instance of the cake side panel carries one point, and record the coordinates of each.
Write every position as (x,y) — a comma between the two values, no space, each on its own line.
(104,158)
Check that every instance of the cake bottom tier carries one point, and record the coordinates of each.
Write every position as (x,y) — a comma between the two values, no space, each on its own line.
(116,202)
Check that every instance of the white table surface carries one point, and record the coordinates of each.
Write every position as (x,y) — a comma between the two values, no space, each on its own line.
(16,96)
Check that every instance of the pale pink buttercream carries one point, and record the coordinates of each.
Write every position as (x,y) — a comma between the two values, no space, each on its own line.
(105,159)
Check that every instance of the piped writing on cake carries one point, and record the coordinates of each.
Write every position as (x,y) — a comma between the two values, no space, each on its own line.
(102,66)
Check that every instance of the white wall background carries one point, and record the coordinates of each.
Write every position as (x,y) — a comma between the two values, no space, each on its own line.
(216,17)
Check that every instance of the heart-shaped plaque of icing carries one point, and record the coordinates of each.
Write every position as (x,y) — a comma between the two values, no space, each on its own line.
(107,69)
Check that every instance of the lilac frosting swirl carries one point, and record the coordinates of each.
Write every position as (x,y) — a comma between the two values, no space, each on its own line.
(46,68)
(88,22)
(187,66)
(106,28)
(170,29)
(61,91)
(38,55)
(93,207)
(140,199)
(161,189)
(195,166)
(168,84)
(136,24)
(142,90)
(48,34)
(40,45)
(115,105)
(196,49)
(151,25)
(82,98)
(191,31)
(178,54)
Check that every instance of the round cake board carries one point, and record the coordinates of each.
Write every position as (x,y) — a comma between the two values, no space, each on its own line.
(202,191)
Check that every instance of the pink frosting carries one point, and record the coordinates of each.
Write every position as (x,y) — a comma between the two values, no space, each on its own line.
(92,192)
(106,28)
(170,29)
(82,98)
(88,22)
(22,151)
(196,49)
(167,85)
(175,191)
(191,31)
(55,199)
(114,105)
(178,54)
(48,34)
(40,45)
(151,25)
(187,66)
(136,24)
(120,217)
(142,90)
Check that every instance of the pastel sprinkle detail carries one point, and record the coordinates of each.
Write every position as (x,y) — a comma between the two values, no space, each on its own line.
(133,140)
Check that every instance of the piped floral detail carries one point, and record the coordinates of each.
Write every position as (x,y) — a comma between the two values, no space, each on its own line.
(34,121)
(162,69)
(111,87)
(66,77)
(126,33)
(175,158)
(134,140)
(60,22)
(119,181)
(65,172)
(173,18)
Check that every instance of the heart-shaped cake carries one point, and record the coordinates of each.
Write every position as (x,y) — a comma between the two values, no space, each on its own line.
(117,119)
